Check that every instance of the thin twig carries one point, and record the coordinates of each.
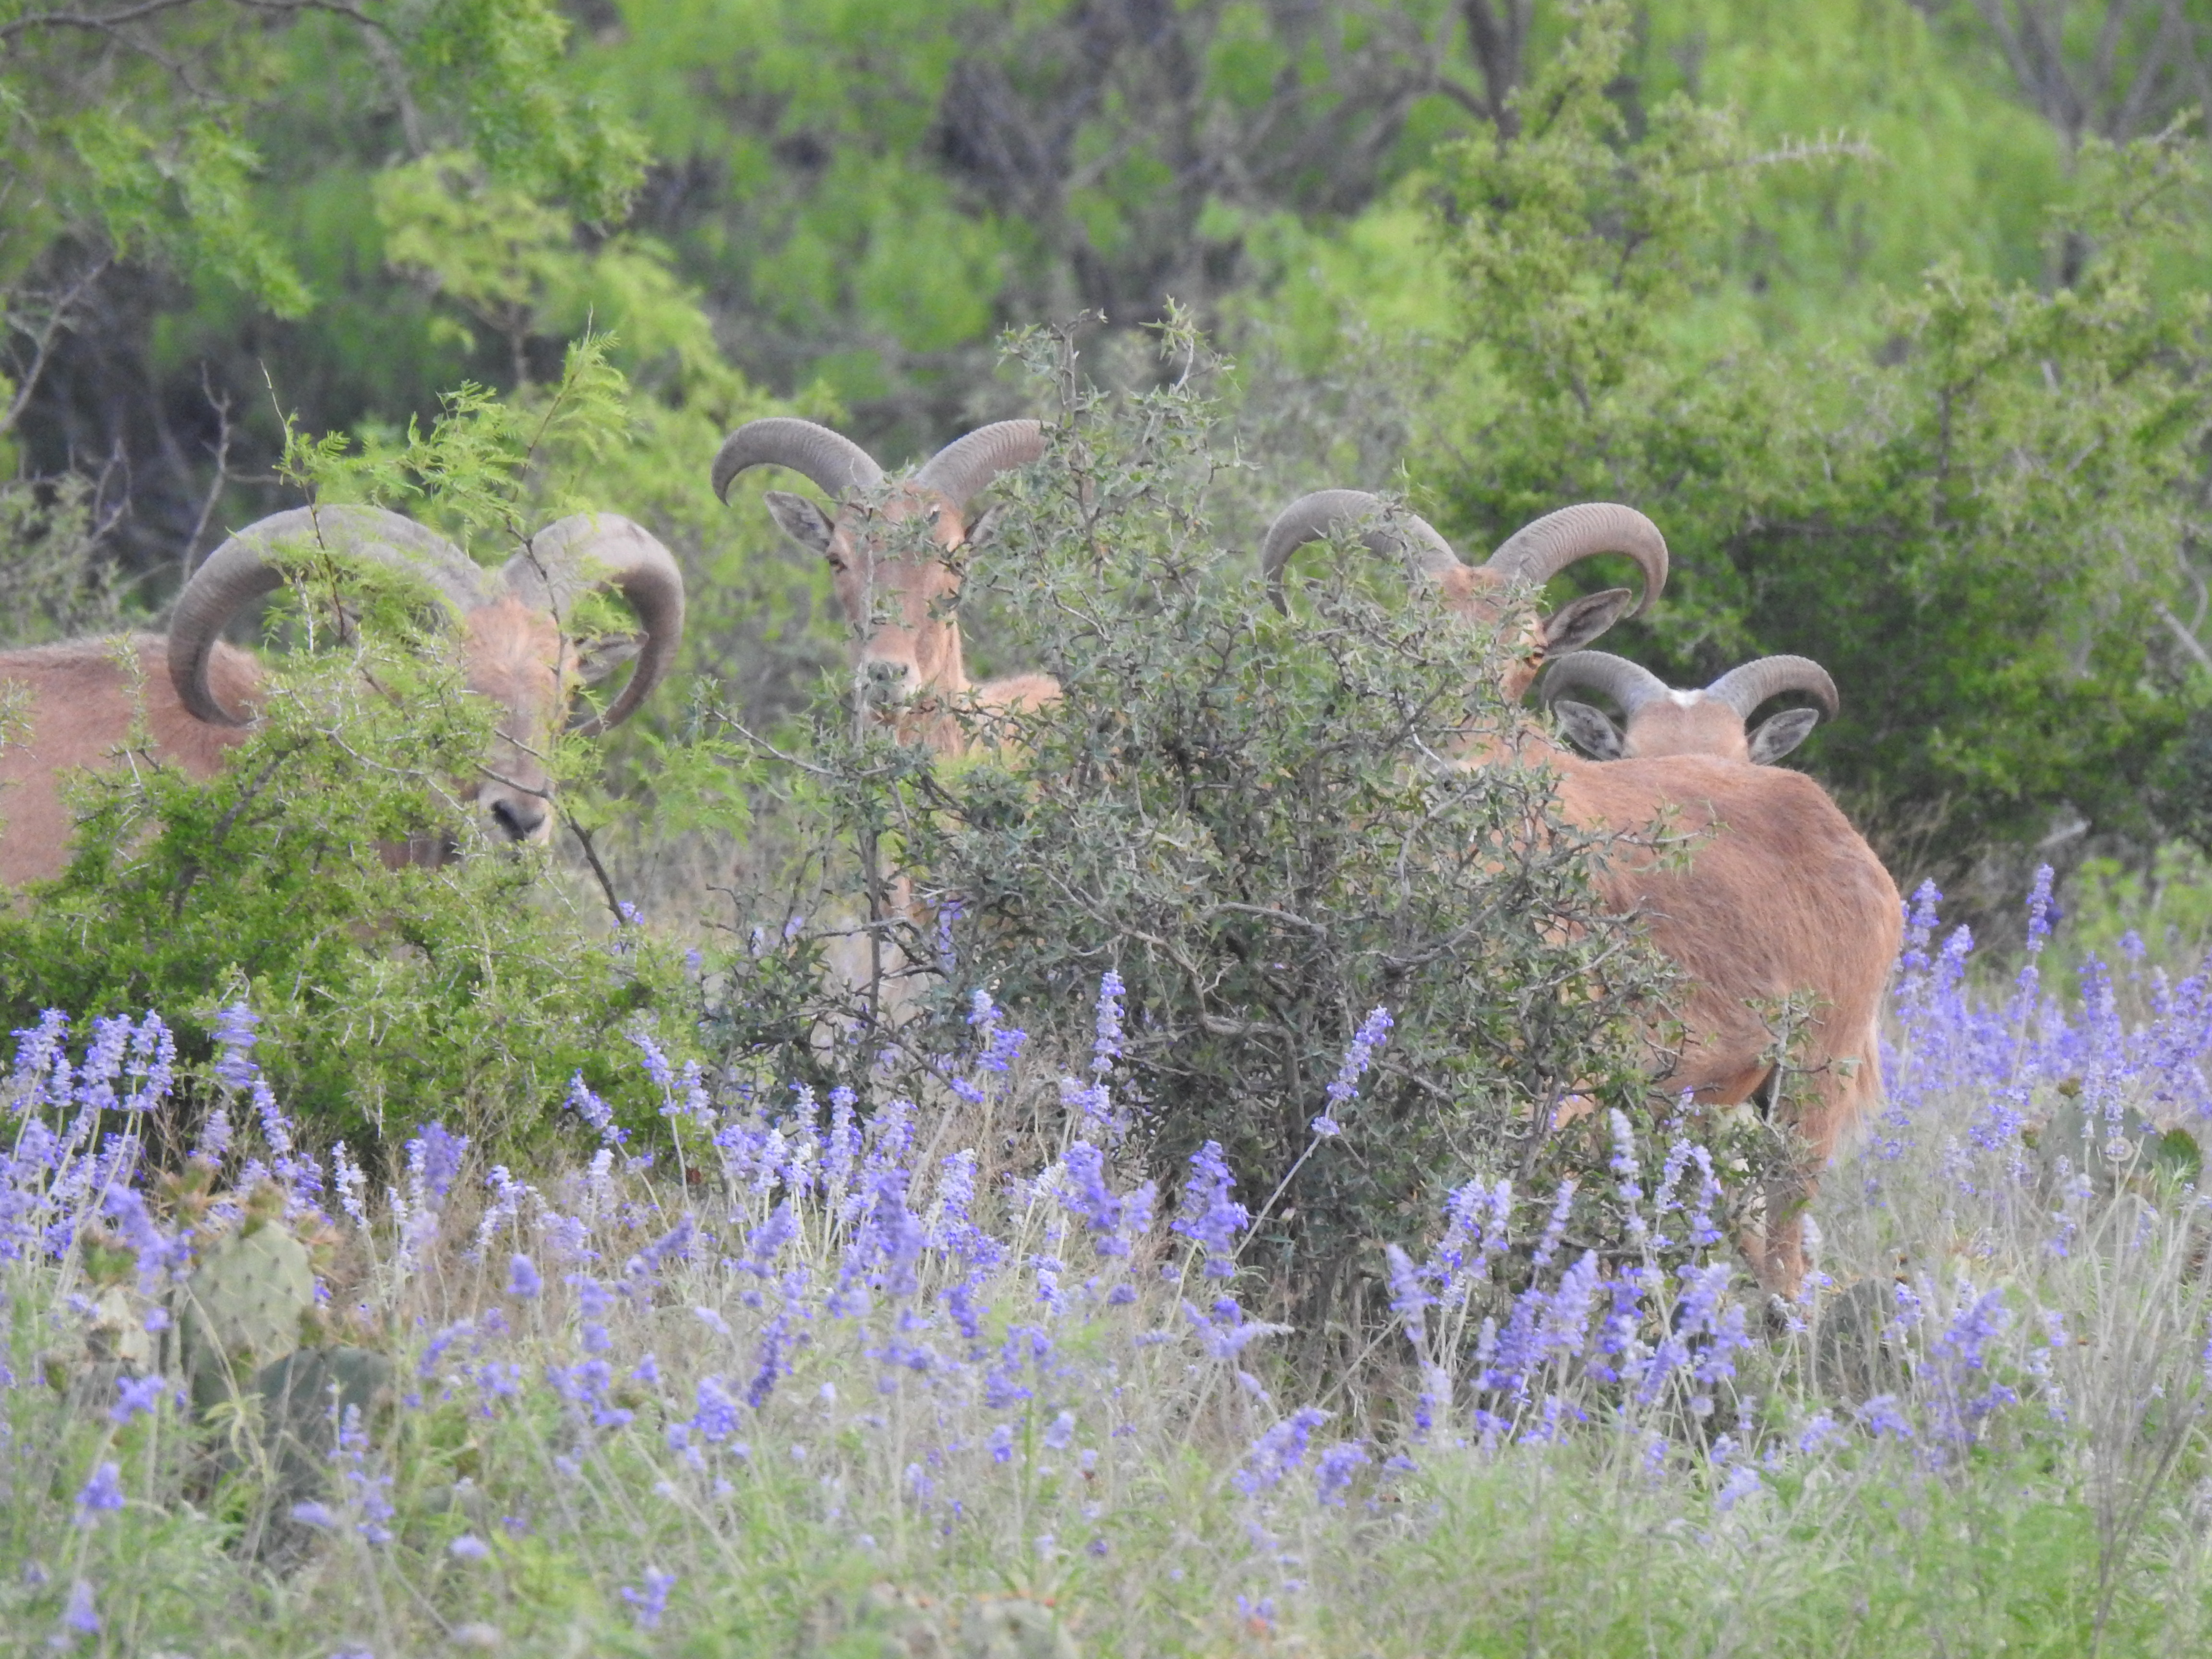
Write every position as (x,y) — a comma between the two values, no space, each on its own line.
(592,857)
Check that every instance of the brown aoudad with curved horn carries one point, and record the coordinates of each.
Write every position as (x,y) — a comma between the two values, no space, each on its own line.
(831,461)
(1396,531)
(587,552)
(966,466)
(1539,551)
(1747,685)
(89,700)
(242,570)
(1534,554)
(1747,878)
(898,590)
(1629,684)
(1480,594)
(1660,721)
(1754,883)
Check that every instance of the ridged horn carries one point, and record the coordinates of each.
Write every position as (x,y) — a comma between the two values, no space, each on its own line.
(240,572)
(1627,684)
(590,550)
(1539,551)
(1744,688)
(964,467)
(1311,518)
(831,460)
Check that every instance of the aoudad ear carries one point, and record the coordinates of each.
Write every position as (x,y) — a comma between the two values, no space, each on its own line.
(799,519)
(597,659)
(1775,737)
(1588,729)
(1578,621)
(980,526)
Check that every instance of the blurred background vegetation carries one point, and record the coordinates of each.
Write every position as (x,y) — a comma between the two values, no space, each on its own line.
(1889,311)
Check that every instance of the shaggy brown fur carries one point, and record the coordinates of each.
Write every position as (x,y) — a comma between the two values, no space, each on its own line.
(84,697)
(1778,897)
(912,655)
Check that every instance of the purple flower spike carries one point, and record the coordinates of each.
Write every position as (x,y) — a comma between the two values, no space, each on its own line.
(235,1037)
(1408,1296)
(1107,1048)
(647,1604)
(434,1157)
(1279,1450)
(136,1394)
(1334,1469)
(1373,1032)
(101,1495)
(1210,1218)
(80,1617)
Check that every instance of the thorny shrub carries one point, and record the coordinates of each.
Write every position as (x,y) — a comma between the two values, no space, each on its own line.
(1253,819)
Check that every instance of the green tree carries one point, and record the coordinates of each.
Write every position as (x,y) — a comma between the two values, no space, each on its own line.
(1981,525)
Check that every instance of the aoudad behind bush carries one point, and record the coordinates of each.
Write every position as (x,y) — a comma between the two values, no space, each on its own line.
(1257,822)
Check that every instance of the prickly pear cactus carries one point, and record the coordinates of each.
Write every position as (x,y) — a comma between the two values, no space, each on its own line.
(897,1623)
(1011,1628)
(242,1306)
(890,1621)
(300,1401)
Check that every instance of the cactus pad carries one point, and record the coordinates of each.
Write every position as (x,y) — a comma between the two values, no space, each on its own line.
(1011,1628)
(242,1306)
(897,1623)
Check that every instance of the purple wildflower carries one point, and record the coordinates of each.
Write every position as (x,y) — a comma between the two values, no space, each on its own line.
(716,1419)
(1210,1218)
(1408,1296)
(1278,1451)
(1563,1204)
(1106,1047)
(100,1495)
(1882,1416)
(598,1116)
(647,1604)
(434,1157)
(522,1277)
(1373,1032)
(79,1616)
(234,1036)
(1334,1468)
(135,1395)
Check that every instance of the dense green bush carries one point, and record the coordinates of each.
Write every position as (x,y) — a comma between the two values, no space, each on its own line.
(472,991)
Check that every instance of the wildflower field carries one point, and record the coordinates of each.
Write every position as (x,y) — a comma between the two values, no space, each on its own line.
(795,1383)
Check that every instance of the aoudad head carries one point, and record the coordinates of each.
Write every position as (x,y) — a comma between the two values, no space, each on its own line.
(1501,593)
(512,625)
(889,545)
(1657,721)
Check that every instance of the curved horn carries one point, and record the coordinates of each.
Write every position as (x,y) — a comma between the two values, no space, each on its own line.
(1744,688)
(1627,684)
(589,550)
(1539,551)
(965,465)
(1310,517)
(240,571)
(836,465)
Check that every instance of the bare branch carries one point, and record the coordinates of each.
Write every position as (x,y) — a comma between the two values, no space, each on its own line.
(57,318)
